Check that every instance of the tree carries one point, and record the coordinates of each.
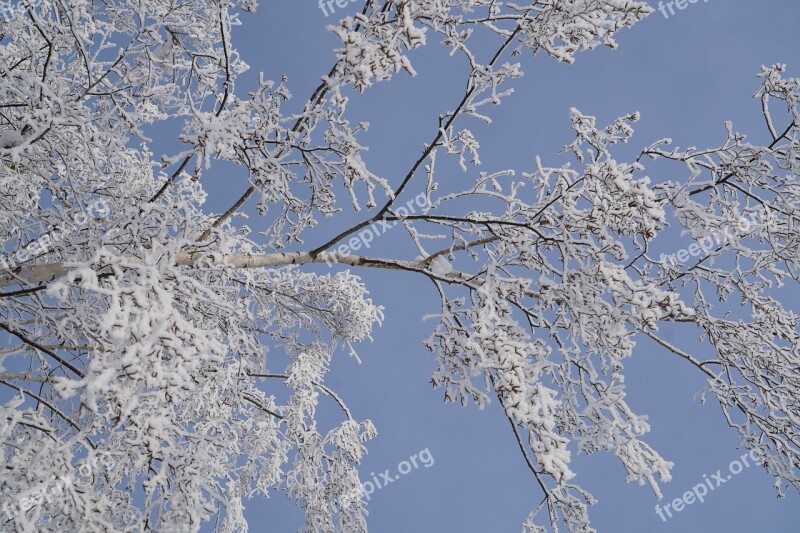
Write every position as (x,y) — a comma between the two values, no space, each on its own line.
(141,323)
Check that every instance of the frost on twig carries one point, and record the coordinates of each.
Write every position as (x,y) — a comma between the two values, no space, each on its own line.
(156,332)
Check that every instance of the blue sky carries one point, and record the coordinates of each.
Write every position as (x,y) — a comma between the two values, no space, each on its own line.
(686,74)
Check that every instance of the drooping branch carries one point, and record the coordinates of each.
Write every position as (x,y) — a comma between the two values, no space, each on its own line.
(33,344)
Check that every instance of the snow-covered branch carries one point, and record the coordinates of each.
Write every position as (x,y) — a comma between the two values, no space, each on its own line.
(146,325)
